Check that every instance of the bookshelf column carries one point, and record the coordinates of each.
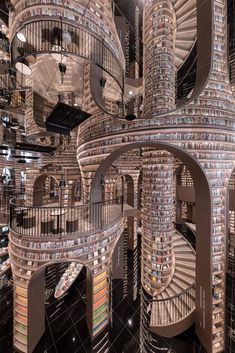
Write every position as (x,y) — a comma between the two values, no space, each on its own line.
(97,300)
(30,124)
(29,308)
(157,220)
(159,57)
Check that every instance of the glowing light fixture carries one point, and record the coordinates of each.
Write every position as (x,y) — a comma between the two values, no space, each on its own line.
(23,67)
(21,36)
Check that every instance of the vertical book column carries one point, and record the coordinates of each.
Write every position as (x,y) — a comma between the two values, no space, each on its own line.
(157,218)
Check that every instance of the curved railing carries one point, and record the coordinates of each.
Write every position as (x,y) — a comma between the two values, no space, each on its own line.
(170,310)
(84,43)
(57,222)
(187,233)
(177,307)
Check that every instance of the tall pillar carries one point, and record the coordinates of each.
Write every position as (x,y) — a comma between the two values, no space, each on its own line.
(29,307)
(30,124)
(157,220)
(159,57)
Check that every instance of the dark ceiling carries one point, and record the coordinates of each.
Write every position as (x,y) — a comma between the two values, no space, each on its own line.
(126,8)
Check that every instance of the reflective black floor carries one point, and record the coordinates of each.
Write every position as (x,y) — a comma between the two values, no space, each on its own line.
(66,328)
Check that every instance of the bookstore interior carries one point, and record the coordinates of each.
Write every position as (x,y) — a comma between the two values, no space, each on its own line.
(117,176)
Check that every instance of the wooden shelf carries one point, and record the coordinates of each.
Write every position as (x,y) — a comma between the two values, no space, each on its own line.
(20,346)
(19,311)
(18,301)
(218,349)
(217,320)
(217,330)
(218,339)
(217,310)
(18,319)
(20,329)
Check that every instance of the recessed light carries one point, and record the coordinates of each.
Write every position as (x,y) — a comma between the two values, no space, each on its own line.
(129,322)
(130,92)
(21,36)
(23,67)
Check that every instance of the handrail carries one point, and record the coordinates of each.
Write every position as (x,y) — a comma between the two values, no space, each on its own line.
(111,201)
(55,222)
(92,47)
(186,239)
(175,296)
(168,311)
(190,240)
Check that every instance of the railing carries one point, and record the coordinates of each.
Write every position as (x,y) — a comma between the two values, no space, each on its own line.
(40,39)
(6,195)
(187,233)
(59,222)
(151,342)
(170,310)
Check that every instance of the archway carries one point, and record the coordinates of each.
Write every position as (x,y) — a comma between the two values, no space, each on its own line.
(204,225)
(34,317)
(45,190)
(76,191)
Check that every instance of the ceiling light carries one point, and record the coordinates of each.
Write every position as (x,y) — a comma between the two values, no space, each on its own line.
(23,67)
(62,182)
(66,36)
(21,36)
(62,68)
(130,92)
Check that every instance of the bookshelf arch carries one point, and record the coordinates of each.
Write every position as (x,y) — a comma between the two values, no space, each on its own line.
(38,188)
(204,201)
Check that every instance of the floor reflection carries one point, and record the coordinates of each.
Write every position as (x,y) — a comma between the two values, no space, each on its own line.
(66,328)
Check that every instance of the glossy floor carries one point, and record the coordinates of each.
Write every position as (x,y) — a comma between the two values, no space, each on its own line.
(66,329)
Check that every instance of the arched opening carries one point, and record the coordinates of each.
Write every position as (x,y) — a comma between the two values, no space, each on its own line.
(7,191)
(107,183)
(45,190)
(76,191)
(44,310)
(185,205)
(203,220)
(124,187)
